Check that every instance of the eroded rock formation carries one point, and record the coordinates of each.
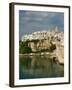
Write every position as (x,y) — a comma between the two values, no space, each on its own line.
(47,41)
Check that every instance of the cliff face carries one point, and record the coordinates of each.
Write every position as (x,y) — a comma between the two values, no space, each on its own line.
(48,46)
(48,42)
(60,52)
(39,45)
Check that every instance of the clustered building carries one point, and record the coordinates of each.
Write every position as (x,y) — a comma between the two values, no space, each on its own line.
(39,35)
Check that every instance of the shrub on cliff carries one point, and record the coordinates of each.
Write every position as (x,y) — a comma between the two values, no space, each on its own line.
(23,48)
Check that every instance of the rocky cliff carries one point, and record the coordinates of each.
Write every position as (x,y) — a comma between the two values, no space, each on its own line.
(47,42)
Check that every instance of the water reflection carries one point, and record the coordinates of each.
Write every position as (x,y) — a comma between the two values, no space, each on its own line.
(39,67)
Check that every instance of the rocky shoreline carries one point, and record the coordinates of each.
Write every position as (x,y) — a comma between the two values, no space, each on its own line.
(44,43)
(51,54)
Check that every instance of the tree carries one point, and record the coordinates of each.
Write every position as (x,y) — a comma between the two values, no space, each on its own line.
(23,48)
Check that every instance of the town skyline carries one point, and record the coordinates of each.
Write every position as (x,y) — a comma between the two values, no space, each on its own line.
(33,21)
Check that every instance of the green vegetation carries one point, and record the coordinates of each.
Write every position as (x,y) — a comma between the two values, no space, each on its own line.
(23,48)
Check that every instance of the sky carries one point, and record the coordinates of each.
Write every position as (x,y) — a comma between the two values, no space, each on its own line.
(32,21)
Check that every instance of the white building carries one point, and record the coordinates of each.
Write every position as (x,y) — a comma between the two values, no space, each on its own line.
(44,35)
